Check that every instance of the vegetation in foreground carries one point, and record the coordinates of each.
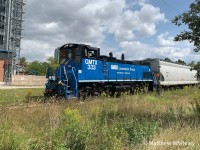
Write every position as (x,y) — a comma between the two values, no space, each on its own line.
(148,121)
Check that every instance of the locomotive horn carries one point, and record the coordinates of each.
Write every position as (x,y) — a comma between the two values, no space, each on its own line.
(122,57)
(111,54)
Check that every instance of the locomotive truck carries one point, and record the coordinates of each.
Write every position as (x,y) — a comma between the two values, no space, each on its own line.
(83,72)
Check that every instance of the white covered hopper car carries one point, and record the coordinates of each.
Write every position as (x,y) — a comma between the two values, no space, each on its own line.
(170,74)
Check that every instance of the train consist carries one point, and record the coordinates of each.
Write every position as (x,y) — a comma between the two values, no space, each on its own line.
(84,72)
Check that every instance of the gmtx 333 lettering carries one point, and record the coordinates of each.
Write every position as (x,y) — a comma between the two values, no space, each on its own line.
(91,64)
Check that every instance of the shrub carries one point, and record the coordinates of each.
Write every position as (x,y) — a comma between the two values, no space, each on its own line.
(108,112)
(28,95)
(75,130)
(196,106)
(106,137)
(139,131)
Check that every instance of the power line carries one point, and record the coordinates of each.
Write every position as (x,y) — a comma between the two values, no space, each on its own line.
(173,8)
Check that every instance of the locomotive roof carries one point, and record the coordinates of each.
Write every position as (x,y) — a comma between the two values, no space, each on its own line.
(114,59)
(75,44)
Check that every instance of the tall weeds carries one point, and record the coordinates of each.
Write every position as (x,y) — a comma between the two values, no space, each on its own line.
(196,105)
(104,123)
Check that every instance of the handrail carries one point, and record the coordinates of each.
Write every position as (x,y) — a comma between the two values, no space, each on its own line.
(65,72)
(74,77)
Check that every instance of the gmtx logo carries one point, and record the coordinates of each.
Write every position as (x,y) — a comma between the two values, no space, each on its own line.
(114,67)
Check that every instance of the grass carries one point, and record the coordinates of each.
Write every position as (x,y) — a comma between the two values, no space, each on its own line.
(128,122)
(11,96)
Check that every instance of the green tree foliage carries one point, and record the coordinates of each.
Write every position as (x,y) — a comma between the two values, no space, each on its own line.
(197,67)
(52,62)
(190,18)
(36,68)
(192,64)
(181,62)
(40,68)
(168,60)
(51,66)
(23,62)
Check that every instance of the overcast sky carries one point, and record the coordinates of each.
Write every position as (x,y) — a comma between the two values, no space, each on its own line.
(138,28)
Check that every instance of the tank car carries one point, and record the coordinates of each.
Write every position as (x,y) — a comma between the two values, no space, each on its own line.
(167,74)
(84,72)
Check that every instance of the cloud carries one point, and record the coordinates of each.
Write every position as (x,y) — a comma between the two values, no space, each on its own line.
(139,22)
(165,41)
(135,50)
(73,20)
(37,50)
(50,23)
(151,14)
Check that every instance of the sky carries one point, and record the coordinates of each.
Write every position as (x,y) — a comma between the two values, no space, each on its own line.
(138,28)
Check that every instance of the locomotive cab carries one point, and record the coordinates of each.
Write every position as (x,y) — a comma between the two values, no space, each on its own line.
(77,52)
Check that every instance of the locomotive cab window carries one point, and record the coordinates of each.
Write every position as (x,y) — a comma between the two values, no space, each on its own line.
(90,53)
(70,51)
(65,54)
(62,55)
(78,54)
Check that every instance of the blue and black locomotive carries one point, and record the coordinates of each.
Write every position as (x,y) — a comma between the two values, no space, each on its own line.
(83,72)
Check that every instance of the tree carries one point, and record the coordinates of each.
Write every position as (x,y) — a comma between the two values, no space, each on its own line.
(192,64)
(22,65)
(181,62)
(197,68)
(40,68)
(168,60)
(52,62)
(190,18)
(23,62)
(36,68)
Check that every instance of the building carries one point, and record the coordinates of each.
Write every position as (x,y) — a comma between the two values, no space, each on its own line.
(56,54)
(3,58)
(11,12)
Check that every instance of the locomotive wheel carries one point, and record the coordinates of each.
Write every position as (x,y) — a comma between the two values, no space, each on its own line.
(86,94)
(82,95)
